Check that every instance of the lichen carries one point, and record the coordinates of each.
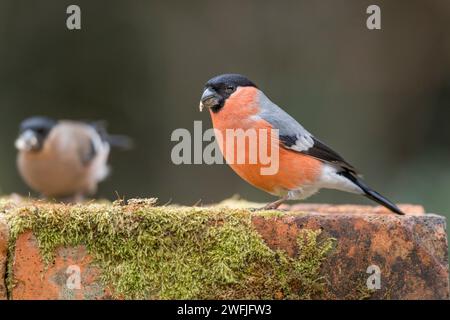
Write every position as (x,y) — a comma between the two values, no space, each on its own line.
(361,291)
(150,252)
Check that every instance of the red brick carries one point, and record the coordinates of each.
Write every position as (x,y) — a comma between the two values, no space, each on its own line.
(411,251)
(33,280)
(3,257)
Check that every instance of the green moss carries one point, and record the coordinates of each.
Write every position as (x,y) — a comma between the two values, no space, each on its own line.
(361,291)
(153,252)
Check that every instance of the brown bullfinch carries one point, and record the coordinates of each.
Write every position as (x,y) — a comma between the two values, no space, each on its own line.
(306,164)
(64,160)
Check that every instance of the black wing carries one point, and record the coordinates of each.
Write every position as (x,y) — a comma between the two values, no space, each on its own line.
(117,141)
(320,151)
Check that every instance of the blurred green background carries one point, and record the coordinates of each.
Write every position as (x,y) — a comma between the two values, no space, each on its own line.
(381,98)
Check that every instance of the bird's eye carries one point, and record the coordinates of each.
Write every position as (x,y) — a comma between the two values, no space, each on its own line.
(230,89)
(41,131)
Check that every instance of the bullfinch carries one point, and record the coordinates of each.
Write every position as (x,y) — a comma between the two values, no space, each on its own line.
(64,160)
(306,164)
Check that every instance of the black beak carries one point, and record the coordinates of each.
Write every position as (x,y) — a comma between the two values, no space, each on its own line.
(209,99)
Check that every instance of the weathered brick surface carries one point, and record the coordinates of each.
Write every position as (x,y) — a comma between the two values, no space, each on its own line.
(410,251)
(3,256)
(409,209)
(70,276)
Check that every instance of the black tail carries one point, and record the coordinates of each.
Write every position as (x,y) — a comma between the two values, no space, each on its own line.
(372,194)
(115,141)
(119,141)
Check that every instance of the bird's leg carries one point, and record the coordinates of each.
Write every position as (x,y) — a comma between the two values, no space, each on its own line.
(274,205)
(76,198)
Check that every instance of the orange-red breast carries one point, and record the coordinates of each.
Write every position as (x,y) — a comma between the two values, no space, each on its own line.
(305,164)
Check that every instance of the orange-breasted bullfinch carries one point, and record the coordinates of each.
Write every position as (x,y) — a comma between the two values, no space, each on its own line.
(64,160)
(306,164)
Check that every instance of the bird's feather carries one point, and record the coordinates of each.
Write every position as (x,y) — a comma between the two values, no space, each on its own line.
(117,141)
(294,137)
(87,152)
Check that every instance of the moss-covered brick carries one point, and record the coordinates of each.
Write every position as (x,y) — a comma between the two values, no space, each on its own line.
(149,252)
(3,254)
(138,250)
